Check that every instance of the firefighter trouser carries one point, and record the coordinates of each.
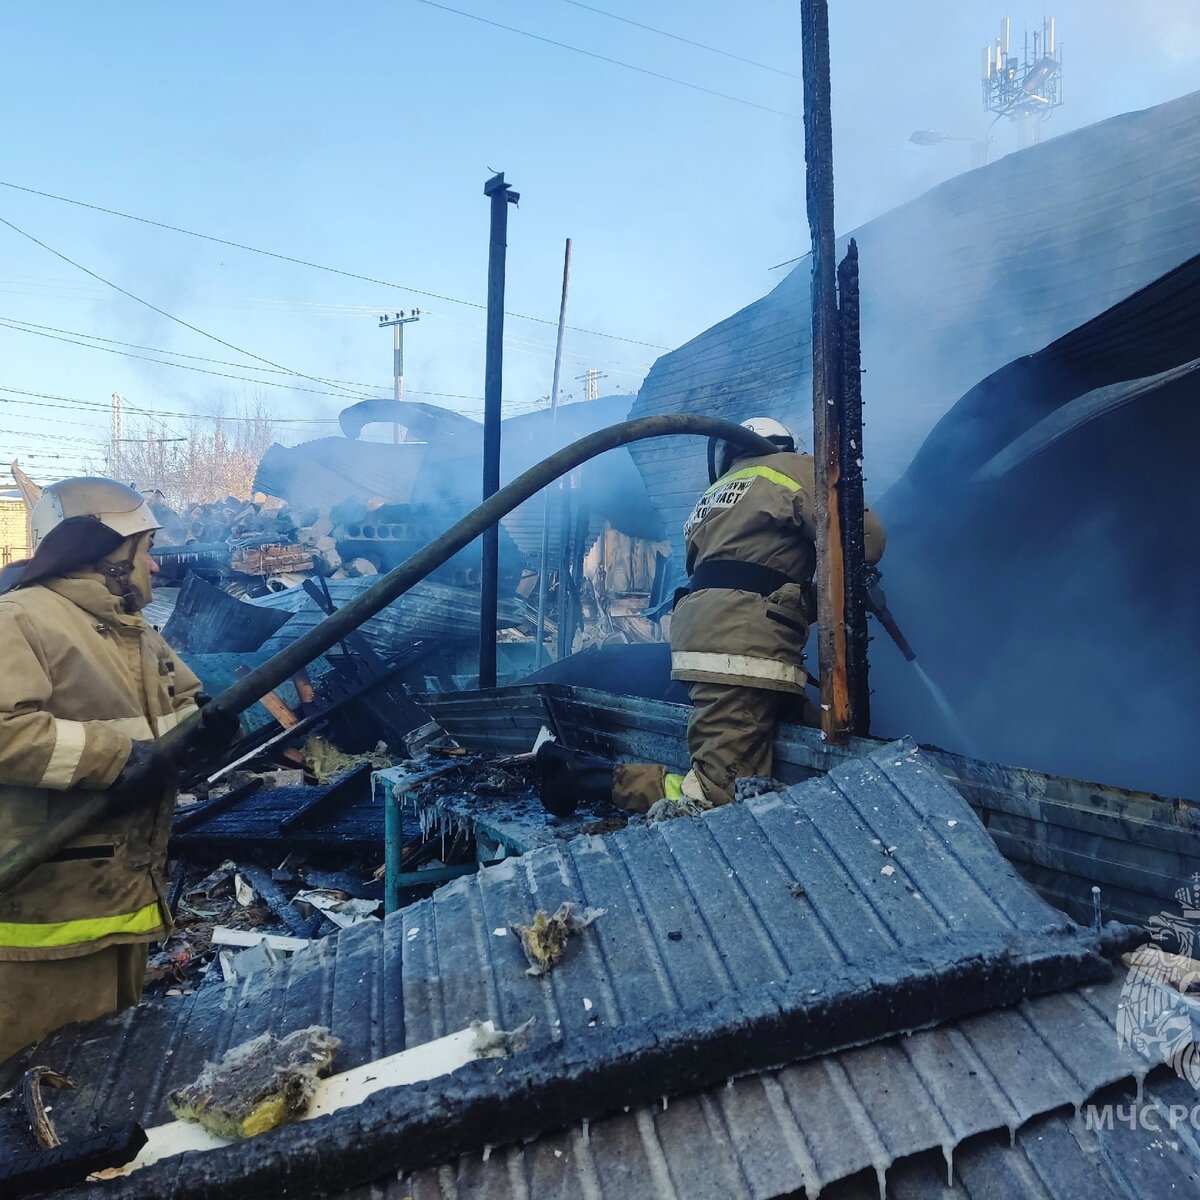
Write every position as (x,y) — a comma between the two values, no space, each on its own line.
(37,998)
(730,735)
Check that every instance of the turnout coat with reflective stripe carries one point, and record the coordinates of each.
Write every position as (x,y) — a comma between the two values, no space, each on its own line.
(759,512)
(79,680)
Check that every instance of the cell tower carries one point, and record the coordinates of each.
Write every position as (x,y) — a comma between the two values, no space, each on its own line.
(1026,90)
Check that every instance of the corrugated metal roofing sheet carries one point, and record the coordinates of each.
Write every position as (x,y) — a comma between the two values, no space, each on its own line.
(840,1117)
(206,620)
(218,672)
(427,610)
(1063,1156)
(1065,835)
(953,289)
(702,919)
(324,472)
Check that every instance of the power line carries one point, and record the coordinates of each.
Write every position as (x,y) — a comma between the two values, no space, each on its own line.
(301,262)
(43,331)
(162,311)
(73,402)
(675,37)
(17,325)
(181,366)
(537,37)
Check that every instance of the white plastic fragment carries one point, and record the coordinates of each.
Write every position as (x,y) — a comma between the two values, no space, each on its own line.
(343,911)
(243,891)
(587,1004)
(501,932)
(888,870)
(952,824)
(411,935)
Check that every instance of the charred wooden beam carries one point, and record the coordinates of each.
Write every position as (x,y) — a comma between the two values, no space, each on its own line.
(827,435)
(850,494)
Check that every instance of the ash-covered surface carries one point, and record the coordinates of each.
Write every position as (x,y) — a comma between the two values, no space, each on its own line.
(708,962)
(496,804)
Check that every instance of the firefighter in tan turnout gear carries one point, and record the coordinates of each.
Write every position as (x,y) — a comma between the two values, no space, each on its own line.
(85,689)
(737,633)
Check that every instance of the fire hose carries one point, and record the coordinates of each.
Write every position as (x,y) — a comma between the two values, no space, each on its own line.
(177,744)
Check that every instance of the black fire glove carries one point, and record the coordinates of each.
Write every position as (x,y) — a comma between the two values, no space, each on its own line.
(214,732)
(209,737)
(146,773)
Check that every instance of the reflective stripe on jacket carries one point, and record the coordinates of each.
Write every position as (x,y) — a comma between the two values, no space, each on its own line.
(82,679)
(759,512)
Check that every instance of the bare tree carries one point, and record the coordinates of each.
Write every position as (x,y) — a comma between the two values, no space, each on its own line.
(215,457)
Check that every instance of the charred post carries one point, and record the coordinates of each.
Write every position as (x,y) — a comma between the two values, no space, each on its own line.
(850,494)
(830,577)
(501,196)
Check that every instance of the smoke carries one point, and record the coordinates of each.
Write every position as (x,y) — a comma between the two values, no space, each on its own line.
(1176,25)
(1056,605)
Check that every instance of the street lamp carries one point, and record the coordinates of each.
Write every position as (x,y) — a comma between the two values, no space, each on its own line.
(935,137)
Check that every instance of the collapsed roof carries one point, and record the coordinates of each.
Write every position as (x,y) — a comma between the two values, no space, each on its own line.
(792,927)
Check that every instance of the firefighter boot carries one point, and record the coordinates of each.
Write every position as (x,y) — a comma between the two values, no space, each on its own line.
(569,778)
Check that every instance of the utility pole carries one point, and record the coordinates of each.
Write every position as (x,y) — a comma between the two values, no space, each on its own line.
(544,561)
(501,196)
(398,323)
(116,434)
(827,433)
(591,383)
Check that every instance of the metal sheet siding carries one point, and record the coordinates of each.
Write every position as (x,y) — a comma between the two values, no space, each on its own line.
(935,272)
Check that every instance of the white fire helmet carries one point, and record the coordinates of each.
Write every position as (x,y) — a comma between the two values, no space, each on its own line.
(722,454)
(114,505)
(774,431)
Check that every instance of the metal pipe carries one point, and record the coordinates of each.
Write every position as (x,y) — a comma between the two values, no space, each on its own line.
(18,862)
(544,561)
(393,842)
(501,196)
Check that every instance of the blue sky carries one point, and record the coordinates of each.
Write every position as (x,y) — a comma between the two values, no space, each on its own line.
(360,135)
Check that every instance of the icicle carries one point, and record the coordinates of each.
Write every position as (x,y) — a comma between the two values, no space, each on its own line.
(948,1154)
(487,1152)
(664,1103)
(585,1131)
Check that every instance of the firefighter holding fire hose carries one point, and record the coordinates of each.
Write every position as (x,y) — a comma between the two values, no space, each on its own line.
(86,687)
(737,634)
